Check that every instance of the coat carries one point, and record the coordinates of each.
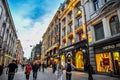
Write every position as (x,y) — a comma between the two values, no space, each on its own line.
(28,69)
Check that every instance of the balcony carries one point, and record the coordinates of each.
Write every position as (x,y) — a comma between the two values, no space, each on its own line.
(63,26)
(78,28)
(69,20)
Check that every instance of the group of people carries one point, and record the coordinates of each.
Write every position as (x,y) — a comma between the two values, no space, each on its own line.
(34,68)
(58,69)
(12,68)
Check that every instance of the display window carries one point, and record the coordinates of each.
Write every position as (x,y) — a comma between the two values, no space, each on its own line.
(79,60)
(104,62)
(63,60)
(116,58)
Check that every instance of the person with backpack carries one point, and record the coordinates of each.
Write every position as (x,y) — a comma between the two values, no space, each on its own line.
(69,66)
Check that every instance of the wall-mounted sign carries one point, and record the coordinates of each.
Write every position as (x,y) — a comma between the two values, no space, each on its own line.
(71,47)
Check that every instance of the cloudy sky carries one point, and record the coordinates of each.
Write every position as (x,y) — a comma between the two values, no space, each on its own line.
(31,19)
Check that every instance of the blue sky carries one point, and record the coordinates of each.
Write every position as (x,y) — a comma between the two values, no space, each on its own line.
(31,19)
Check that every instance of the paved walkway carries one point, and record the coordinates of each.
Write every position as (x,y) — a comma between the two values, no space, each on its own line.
(48,75)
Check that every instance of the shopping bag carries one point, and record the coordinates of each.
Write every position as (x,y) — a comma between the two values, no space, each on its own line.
(56,73)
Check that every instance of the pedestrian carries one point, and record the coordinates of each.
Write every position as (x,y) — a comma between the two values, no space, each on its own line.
(35,68)
(11,69)
(54,67)
(43,66)
(1,70)
(28,69)
(40,66)
(90,72)
(59,71)
(69,66)
(22,66)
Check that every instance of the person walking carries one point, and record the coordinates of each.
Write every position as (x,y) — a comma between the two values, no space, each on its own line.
(59,71)
(28,69)
(69,66)
(11,69)
(54,67)
(43,65)
(40,66)
(1,70)
(35,68)
(90,72)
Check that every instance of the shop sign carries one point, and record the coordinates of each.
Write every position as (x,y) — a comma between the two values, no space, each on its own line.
(106,61)
(111,46)
(71,47)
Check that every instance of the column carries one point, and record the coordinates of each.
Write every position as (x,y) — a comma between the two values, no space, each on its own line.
(106,27)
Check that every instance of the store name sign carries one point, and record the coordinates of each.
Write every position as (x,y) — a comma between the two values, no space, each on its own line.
(111,46)
(69,48)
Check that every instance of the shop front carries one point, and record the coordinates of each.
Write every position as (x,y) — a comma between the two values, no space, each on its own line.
(63,59)
(75,53)
(79,60)
(108,57)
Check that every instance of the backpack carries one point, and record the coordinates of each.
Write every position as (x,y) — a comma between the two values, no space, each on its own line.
(69,68)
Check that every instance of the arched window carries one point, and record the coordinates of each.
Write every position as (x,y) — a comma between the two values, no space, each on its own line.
(114,25)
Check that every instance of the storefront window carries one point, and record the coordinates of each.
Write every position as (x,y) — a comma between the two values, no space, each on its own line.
(104,62)
(63,60)
(116,57)
(79,60)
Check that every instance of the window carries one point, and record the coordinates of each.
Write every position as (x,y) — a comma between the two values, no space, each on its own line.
(114,25)
(96,4)
(99,33)
(105,1)
(0,11)
(79,21)
(70,28)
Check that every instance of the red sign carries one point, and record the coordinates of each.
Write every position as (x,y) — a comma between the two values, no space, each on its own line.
(106,61)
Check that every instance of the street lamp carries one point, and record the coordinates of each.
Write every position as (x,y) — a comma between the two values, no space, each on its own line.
(86,50)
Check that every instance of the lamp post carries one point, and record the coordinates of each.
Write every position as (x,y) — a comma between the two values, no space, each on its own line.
(86,51)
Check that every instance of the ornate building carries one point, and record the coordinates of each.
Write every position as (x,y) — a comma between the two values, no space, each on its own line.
(103,22)
(8,36)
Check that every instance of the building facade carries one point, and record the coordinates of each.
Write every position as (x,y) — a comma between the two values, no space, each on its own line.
(19,52)
(79,20)
(51,40)
(73,38)
(8,36)
(103,22)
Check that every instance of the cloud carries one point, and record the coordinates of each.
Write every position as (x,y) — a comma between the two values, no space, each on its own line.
(31,18)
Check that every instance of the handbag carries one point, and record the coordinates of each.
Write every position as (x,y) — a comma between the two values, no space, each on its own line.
(25,72)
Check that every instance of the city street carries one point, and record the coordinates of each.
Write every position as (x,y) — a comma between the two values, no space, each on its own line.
(47,75)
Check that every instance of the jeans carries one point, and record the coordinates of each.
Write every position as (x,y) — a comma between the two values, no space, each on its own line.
(68,76)
(34,75)
(27,76)
(11,76)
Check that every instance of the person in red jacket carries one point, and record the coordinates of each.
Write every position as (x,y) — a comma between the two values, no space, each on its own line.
(28,69)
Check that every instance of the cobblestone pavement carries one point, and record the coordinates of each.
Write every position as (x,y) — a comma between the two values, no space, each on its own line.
(48,75)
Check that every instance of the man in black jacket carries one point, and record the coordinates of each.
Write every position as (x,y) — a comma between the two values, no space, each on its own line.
(35,68)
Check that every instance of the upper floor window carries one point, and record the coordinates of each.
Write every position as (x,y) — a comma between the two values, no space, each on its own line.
(80,21)
(0,11)
(99,33)
(105,1)
(96,4)
(114,25)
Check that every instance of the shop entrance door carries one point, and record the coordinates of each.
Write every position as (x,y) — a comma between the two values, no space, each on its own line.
(116,57)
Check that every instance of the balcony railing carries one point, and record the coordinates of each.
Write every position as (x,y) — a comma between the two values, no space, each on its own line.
(78,25)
